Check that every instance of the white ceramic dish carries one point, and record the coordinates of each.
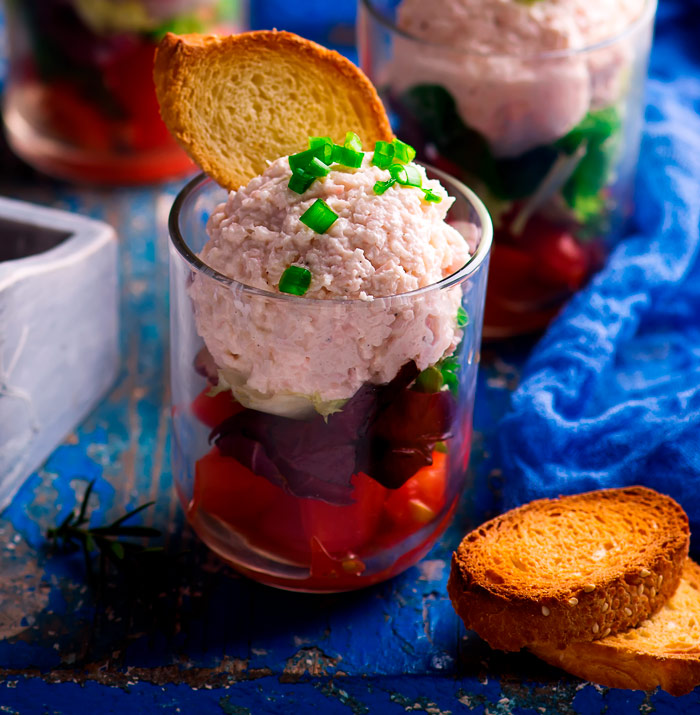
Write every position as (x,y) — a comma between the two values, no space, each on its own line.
(59,314)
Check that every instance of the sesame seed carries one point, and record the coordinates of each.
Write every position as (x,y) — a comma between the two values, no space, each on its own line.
(589,587)
(573,601)
(640,589)
(652,592)
(628,611)
(606,605)
(596,627)
(545,611)
(606,632)
(644,573)
(661,579)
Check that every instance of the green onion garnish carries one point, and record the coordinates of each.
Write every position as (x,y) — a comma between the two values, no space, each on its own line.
(304,158)
(310,164)
(347,157)
(393,152)
(449,364)
(381,186)
(295,280)
(452,381)
(323,146)
(403,153)
(319,216)
(317,168)
(300,181)
(462,317)
(430,380)
(449,367)
(315,142)
(352,141)
(383,154)
(406,175)
(396,156)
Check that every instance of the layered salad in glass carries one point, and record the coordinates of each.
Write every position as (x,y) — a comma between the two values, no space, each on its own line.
(80,101)
(536,104)
(336,329)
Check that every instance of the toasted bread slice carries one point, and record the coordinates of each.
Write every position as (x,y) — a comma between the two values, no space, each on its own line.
(571,569)
(237,102)
(662,651)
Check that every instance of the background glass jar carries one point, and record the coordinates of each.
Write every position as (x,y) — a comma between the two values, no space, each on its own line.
(548,141)
(315,495)
(79,102)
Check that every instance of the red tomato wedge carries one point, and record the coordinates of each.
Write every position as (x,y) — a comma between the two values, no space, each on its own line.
(422,497)
(223,487)
(559,258)
(516,300)
(344,529)
(260,511)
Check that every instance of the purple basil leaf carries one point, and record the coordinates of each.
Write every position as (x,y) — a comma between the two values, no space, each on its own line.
(387,431)
(404,434)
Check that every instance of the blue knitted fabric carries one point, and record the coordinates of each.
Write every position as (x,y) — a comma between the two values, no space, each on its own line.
(611,394)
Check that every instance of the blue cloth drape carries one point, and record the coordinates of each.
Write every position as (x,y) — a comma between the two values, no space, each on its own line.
(611,394)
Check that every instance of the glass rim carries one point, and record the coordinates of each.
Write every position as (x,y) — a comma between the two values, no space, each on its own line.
(645,17)
(196,264)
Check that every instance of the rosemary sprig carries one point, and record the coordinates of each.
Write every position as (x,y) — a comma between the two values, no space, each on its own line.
(73,533)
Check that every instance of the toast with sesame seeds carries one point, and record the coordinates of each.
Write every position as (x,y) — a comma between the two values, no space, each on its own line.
(576,568)
(663,651)
(237,102)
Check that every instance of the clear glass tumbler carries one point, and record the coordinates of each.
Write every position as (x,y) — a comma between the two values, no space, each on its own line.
(334,497)
(548,140)
(79,102)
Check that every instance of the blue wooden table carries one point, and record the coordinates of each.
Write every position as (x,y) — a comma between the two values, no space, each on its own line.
(185,634)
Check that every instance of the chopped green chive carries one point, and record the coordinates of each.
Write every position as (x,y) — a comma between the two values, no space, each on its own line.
(352,141)
(381,186)
(431,196)
(444,374)
(406,175)
(430,380)
(314,163)
(393,152)
(347,157)
(452,381)
(450,364)
(383,154)
(462,317)
(319,216)
(403,153)
(396,156)
(315,142)
(311,164)
(449,368)
(304,158)
(398,173)
(323,146)
(317,168)
(295,280)
(300,181)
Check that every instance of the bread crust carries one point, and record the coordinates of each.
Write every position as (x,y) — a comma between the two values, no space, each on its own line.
(637,664)
(186,68)
(511,612)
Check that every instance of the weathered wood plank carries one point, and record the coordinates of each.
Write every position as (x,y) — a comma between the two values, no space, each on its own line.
(186,621)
